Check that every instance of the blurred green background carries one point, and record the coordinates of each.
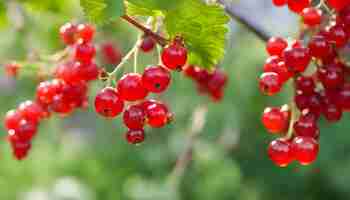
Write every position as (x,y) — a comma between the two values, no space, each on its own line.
(85,157)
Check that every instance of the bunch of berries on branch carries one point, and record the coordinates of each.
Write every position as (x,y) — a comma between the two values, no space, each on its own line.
(316,64)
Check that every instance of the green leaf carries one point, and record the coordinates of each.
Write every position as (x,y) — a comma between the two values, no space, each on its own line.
(203,28)
(151,7)
(3,17)
(102,11)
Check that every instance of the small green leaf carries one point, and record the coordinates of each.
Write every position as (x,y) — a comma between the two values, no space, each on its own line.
(203,28)
(151,7)
(102,11)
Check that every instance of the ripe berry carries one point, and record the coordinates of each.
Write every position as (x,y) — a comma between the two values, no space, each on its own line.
(130,87)
(156,79)
(217,81)
(85,33)
(344,97)
(275,64)
(108,103)
(68,33)
(305,149)
(306,126)
(274,120)
(12,119)
(147,44)
(305,84)
(270,83)
(331,78)
(320,47)
(47,90)
(332,112)
(338,35)
(85,52)
(280,152)
(70,72)
(174,56)
(134,117)
(297,59)
(276,45)
(338,4)
(279,3)
(31,111)
(26,130)
(157,115)
(298,5)
(11,69)
(59,105)
(111,54)
(312,16)
(89,71)
(21,149)
(136,136)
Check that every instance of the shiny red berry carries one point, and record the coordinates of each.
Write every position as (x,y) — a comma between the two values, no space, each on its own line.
(135,136)
(338,4)
(270,83)
(108,102)
(274,120)
(280,152)
(276,45)
(279,3)
(305,149)
(68,33)
(331,78)
(21,149)
(217,80)
(147,44)
(276,64)
(305,84)
(111,53)
(338,35)
(134,117)
(85,33)
(307,127)
(344,97)
(298,5)
(12,119)
(31,111)
(131,88)
(47,90)
(312,16)
(157,114)
(297,59)
(85,52)
(156,79)
(320,47)
(174,56)
(26,130)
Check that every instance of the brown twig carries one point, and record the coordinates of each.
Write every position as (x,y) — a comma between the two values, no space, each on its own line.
(160,39)
(237,14)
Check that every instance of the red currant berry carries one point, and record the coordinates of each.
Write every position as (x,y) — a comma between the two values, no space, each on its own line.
(130,87)
(157,115)
(305,84)
(280,152)
(68,33)
(270,83)
(298,5)
(174,56)
(147,44)
(31,111)
(274,120)
(332,112)
(111,54)
(108,103)
(134,117)
(307,127)
(156,79)
(47,90)
(85,33)
(279,3)
(12,119)
(21,149)
(11,69)
(85,52)
(338,4)
(275,64)
(312,16)
(320,47)
(217,81)
(305,149)
(276,45)
(136,136)
(89,72)
(297,59)
(338,35)
(26,130)
(59,105)
(344,97)
(331,78)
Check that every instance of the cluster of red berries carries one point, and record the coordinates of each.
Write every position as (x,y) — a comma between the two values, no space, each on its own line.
(134,88)
(321,82)
(62,95)
(298,6)
(211,83)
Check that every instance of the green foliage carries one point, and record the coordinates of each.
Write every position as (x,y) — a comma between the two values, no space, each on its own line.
(102,11)
(3,17)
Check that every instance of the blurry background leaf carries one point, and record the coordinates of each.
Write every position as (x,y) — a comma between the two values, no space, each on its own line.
(103,11)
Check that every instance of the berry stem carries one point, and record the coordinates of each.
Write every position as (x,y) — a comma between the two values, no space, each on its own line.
(185,158)
(160,39)
(237,14)
(293,118)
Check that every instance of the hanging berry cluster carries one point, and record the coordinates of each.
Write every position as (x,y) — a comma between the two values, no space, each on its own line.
(68,90)
(320,77)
